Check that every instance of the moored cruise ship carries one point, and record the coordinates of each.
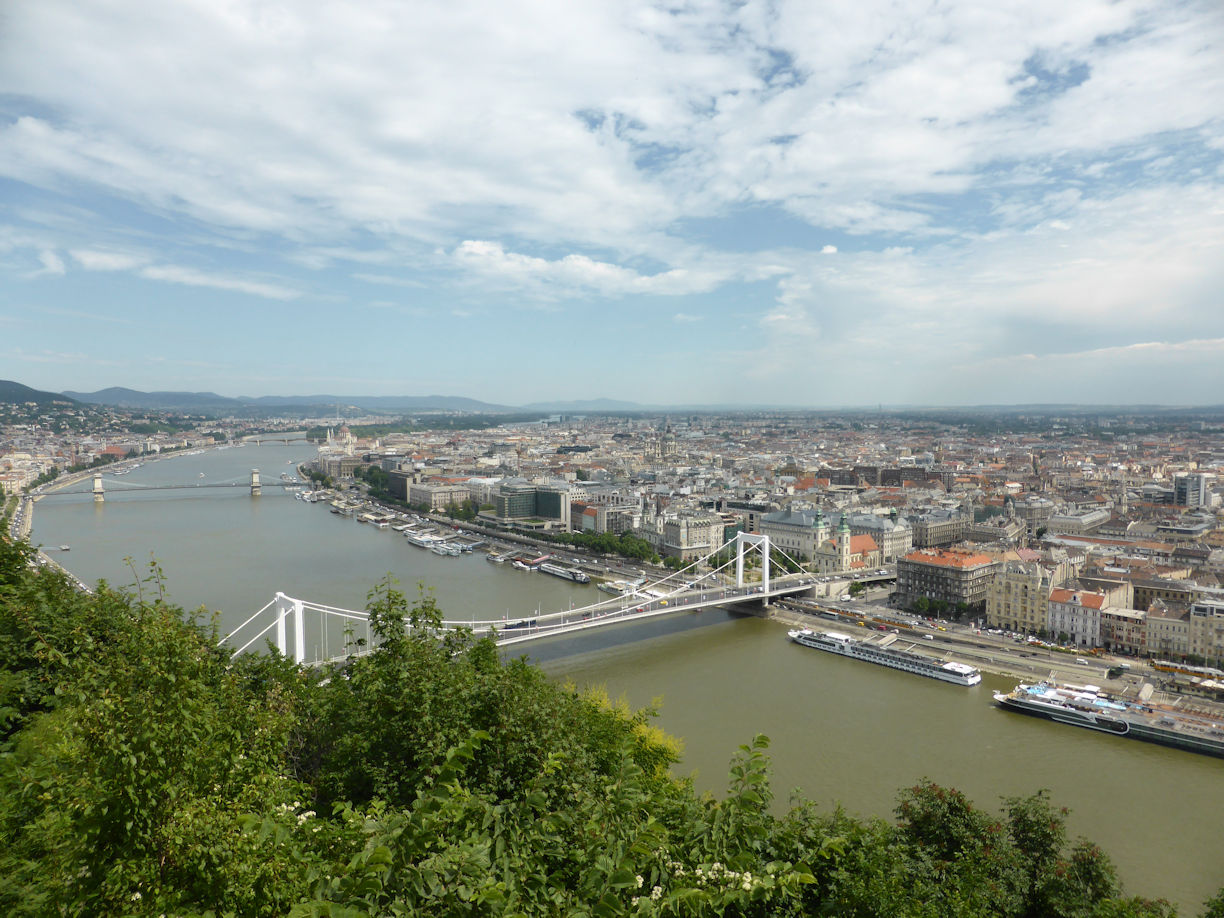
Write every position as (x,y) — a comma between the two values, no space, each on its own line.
(896,658)
(1089,707)
(565,573)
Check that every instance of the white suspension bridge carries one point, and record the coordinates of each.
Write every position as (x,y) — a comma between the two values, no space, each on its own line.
(284,620)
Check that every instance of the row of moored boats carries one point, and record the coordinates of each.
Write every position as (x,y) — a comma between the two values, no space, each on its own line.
(1086,706)
(543,563)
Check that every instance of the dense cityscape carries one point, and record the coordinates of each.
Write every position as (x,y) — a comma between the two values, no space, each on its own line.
(1058,545)
(620,458)
(1091,530)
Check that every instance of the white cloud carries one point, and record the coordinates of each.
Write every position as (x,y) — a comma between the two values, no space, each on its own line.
(65,358)
(193,278)
(1126,270)
(102,260)
(576,273)
(82,314)
(1009,170)
(111,260)
(51,263)
(414,123)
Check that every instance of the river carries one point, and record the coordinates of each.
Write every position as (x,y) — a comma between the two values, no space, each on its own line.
(841,731)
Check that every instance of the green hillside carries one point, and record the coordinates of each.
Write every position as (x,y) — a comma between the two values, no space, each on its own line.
(143,771)
(15,393)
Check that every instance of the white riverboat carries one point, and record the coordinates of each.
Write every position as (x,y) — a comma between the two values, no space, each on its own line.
(895,658)
(1089,707)
(565,573)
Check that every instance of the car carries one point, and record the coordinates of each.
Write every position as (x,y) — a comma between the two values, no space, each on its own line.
(928,637)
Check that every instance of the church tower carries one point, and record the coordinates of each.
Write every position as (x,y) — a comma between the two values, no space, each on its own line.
(843,543)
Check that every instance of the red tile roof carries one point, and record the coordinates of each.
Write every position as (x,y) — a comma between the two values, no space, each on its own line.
(1087,600)
(949,557)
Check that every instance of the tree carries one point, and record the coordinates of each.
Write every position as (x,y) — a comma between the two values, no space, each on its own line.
(147,772)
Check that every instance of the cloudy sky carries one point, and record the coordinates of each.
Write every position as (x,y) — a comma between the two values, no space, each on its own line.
(837,203)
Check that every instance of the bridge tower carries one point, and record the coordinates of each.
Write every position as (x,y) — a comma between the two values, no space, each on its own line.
(286,606)
(746,542)
(99,496)
(256,489)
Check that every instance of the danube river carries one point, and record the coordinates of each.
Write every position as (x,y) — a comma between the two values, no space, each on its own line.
(841,731)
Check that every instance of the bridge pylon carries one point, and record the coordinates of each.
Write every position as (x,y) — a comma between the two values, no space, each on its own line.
(99,495)
(746,543)
(286,606)
(256,488)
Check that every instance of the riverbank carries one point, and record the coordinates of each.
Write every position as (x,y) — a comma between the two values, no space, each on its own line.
(1010,660)
(598,566)
(23,524)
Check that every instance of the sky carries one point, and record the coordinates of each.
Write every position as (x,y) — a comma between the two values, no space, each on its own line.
(794,203)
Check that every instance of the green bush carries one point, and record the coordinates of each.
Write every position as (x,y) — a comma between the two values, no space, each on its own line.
(144,771)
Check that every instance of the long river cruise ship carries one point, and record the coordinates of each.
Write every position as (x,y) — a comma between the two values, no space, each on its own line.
(1089,707)
(893,657)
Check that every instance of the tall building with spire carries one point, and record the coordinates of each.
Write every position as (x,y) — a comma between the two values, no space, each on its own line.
(843,543)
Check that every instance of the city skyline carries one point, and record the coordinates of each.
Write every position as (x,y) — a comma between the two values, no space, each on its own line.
(550,202)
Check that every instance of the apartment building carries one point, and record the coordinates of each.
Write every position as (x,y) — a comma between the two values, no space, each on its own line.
(1018,597)
(951,575)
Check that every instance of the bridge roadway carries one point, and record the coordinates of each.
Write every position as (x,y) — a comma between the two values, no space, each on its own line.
(608,612)
(293,436)
(125,487)
(523,630)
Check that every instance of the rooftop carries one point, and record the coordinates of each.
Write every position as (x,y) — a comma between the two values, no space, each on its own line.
(949,557)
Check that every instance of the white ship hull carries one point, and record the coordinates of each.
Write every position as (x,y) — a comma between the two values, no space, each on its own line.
(904,660)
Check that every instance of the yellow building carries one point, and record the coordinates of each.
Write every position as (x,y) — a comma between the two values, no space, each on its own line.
(1018,597)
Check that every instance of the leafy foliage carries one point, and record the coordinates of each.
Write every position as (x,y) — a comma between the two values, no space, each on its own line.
(143,771)
(625,545)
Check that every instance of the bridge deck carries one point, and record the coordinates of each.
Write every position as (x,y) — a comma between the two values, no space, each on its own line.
(681,591)
(610,612)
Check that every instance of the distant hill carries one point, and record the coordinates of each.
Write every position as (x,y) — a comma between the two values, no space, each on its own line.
(385,404)
(15,393)
(211,402)
(119,397)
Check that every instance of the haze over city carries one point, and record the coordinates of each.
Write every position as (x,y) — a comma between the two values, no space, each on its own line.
(804,204)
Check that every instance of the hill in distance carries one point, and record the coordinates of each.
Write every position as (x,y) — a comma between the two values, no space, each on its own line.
(15,393)
(120,397)
(380,403)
